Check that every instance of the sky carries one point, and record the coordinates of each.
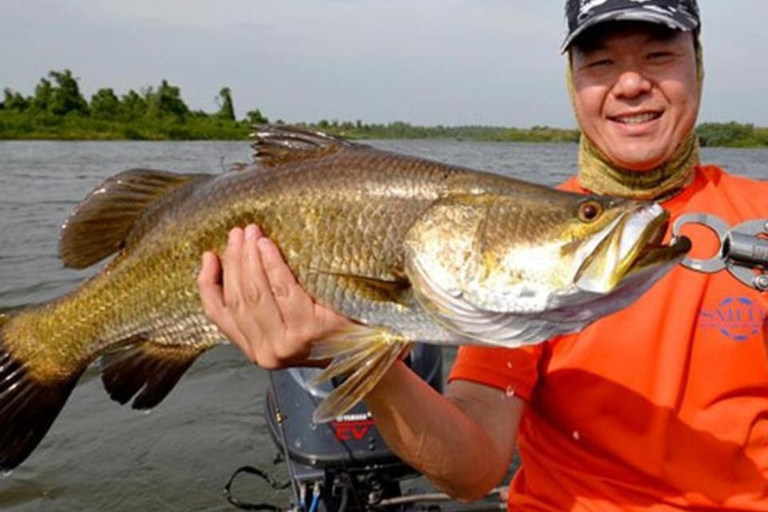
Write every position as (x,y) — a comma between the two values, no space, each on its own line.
(428,62)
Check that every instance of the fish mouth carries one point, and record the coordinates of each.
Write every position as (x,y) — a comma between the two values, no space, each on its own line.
(634,244)
(655,252)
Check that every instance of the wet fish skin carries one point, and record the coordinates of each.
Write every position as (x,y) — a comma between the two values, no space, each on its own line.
(341,214)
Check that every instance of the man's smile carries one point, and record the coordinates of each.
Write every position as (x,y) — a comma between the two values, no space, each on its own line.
(636,118)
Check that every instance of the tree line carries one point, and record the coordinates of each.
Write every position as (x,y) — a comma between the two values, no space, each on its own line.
(733,135)
(57,109)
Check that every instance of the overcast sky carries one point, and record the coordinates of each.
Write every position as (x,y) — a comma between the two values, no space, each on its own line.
(451,62)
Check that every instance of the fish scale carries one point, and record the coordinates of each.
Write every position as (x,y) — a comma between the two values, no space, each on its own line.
(406,247)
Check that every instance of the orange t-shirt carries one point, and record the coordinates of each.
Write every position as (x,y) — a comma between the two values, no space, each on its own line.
(661,406)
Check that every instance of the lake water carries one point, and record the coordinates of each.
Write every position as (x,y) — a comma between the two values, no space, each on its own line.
(101,456)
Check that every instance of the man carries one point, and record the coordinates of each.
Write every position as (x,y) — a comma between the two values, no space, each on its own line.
(661,406)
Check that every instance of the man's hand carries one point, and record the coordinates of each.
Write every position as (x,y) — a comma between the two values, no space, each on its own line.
(254,299)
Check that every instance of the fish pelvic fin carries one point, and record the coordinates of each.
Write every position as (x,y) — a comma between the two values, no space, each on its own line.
(28,405)
(362,355)
(280,144)
(101,223)
(146,371)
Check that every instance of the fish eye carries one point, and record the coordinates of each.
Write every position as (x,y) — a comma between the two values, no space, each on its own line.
(590,210)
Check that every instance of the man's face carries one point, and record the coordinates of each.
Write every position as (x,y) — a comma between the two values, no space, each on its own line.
(636,91)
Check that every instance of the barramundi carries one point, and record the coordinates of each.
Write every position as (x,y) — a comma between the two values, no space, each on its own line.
(408,248)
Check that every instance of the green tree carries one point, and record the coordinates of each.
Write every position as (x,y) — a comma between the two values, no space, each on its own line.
(227,110)
(133,106)
(166,102)
(725,134)
(14,101)
(255,117)
(66,95)
(43,98)
(105,104)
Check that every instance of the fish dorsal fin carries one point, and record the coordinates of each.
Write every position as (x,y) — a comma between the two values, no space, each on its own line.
(277,144)
(99,225)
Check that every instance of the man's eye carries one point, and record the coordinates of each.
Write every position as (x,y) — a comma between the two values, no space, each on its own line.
(656,56)
(600,63)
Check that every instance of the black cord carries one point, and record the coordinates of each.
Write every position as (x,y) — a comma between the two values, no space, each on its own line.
(280,419)
(243,505)
(344,500)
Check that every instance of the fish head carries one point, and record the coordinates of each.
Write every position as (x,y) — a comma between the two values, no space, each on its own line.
(515,269)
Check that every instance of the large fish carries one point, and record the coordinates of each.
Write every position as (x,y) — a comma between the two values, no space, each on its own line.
(411,249)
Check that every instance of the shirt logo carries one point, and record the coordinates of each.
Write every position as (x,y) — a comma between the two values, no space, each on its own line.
(736,318)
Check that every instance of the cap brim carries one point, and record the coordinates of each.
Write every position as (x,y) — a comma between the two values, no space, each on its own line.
(641,14)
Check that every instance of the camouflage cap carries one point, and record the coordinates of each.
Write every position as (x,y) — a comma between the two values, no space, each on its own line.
(583,14)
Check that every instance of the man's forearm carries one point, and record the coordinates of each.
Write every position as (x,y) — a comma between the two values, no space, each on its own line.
(442,436)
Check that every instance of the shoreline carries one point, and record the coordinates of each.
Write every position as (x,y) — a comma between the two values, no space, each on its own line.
(79,128)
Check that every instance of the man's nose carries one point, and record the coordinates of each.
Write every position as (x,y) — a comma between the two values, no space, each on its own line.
(631,84)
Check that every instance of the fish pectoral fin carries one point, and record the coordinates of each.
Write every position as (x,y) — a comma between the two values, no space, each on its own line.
(99,225)
(362,355)
(147,371)
(28,405)
(396,290)
(279,144)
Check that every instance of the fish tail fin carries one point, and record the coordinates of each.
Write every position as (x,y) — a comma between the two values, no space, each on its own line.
(362,355)
(28,405)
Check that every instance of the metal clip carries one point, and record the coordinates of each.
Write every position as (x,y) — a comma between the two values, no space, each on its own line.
(743,249)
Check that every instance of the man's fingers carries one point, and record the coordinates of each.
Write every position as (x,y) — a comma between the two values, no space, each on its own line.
(282,282)
(281,279)
(255,283)
(232,262)
(209,286)
(212,297)
(261,319)
(295,305)
(254,298)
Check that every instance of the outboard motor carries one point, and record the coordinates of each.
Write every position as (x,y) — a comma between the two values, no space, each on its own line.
(343,465)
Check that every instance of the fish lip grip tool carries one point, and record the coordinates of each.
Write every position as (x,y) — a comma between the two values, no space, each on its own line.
(743,248)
